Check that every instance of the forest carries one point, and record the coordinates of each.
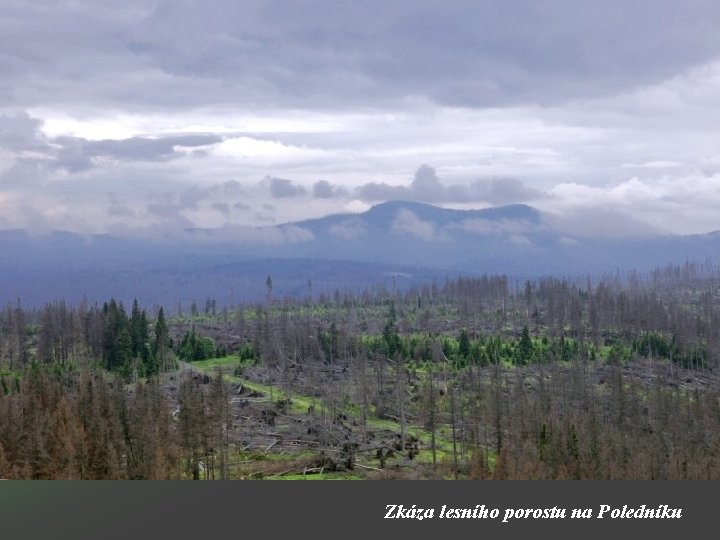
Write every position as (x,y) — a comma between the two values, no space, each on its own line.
(484,377)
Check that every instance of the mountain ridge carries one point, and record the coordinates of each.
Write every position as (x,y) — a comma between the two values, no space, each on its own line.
(418,240)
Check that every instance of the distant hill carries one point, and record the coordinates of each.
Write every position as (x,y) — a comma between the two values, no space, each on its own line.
(397,243)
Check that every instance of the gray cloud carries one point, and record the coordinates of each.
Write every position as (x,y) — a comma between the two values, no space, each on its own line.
(374,191)
(143,148)
(21,132)
(223,208)
(25,150)
(509,190)
(424,187)
(565,105)
(427,187)
(281,188)
(119,210)
(170,214)
(322,189)
(231,188)
(469,52)
(191,197)
(76,154)
(598,222)
(23,174)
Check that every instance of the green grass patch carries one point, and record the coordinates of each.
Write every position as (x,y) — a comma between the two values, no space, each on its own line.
(213,363)
(299,405)
(332,475)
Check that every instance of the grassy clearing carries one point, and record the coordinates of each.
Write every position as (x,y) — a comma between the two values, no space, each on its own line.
(318,476)
(213,363)
(300,404)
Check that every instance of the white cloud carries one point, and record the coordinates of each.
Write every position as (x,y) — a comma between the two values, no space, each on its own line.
(682,205)
(264,150)
(657,164)
(348,229)
(495,227)
(294,234)
(407,223)
(520,240)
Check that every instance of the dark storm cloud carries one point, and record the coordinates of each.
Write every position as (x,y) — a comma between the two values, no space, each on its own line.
(328,53)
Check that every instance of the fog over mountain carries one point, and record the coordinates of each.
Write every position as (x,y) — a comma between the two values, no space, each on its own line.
(397,244)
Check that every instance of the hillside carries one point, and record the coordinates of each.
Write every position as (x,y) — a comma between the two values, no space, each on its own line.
(395,243)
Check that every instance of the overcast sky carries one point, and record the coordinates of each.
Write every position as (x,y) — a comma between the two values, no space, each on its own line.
(181,113)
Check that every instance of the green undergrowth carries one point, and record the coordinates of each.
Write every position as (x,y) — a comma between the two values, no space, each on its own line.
(301,404)
(318,476)
(298,404)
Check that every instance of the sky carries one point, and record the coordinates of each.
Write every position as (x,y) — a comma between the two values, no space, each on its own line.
(165,115)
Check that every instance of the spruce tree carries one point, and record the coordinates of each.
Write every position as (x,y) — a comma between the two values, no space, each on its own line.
(160,346)
(525,347)
(464,344)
